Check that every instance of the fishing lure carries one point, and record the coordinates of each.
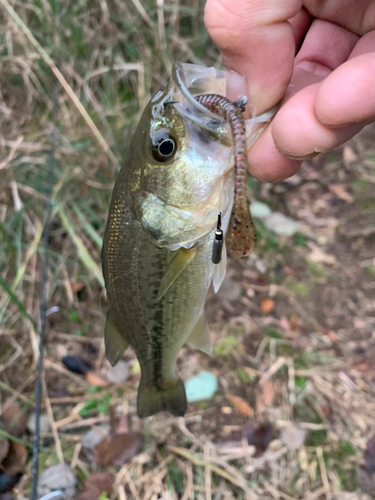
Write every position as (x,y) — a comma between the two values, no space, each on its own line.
(241,235)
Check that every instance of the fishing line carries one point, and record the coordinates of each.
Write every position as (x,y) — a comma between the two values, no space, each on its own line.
(43,312)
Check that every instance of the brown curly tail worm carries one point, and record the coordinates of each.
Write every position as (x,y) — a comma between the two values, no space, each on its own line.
(241,235)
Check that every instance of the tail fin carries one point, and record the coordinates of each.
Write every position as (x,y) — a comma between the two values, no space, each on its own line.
(171,398)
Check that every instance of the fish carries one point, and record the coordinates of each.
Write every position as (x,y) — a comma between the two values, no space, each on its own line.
(157,253)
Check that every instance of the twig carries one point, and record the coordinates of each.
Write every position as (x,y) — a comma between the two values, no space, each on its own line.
(207,475)
(53,424)
(200,461)
(323,473)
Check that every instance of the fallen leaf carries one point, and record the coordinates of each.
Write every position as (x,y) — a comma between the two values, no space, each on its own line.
(267,392)
(294,322)
(93,437)
(95,379)
(96,484)
(57,477)
(4,448)
(119,373)
(44,424)
(117,449)
(281,224)
(14,419)
(332,336)
(16,459)
(293,437)
(267,305)
(259,436)
(363,366)
(240,405)
(76,364)
(76,286)
(318,256)
(260,210)
(340,190)
(7,482)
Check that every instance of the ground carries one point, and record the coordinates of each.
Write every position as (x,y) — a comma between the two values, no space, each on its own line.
(293,326)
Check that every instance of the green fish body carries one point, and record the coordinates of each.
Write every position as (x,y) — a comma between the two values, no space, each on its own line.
(157,250)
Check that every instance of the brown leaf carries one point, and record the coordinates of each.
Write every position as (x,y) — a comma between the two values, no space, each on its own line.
(14,419)
(267,392)
(4,448)
(340,190)
(259,436)
(96,484)
(16,459)
(94,379)
(294,322)
(267,305)
(117,449)
(240,405)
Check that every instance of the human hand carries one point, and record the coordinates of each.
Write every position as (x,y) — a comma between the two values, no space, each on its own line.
(327,89)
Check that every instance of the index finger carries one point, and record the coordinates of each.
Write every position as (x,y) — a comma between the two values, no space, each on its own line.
(257,41)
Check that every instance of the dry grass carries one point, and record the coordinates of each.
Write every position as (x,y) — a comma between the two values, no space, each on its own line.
(307,364)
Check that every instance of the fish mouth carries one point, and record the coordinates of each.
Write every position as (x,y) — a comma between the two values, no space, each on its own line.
(190,80)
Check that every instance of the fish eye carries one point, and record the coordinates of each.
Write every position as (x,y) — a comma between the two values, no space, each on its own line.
(164,149)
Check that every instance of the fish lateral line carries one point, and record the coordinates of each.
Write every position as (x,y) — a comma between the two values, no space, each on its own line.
(241,234)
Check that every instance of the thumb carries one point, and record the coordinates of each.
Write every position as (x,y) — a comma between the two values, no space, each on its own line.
(257,41)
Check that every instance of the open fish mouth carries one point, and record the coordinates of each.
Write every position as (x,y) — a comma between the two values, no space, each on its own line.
(190,80)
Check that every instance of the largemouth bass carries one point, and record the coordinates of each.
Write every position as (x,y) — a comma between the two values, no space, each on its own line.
(157,251)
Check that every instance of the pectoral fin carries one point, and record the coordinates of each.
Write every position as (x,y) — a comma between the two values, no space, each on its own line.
(175,267)
(200,337)
(115,343)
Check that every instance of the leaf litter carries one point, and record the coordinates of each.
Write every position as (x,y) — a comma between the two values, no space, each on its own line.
(320,278)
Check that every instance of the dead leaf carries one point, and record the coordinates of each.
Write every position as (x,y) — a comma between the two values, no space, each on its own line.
(4,448)
(117,449)
(340,190)
(240,405)
(267,392)
(14,419)
(318,256)
(267,305)
(294,322)
(259,436)
(95,379)
(293,437)
(96,484)
(76,364)
(363,366)
(7,482)
(76,286)
(16,459)
(57,477)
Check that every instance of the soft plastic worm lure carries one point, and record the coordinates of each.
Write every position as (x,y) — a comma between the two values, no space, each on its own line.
(241,235)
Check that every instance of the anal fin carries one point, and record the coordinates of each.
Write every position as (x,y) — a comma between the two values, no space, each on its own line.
(200,337)
(115,343)
(175,267)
